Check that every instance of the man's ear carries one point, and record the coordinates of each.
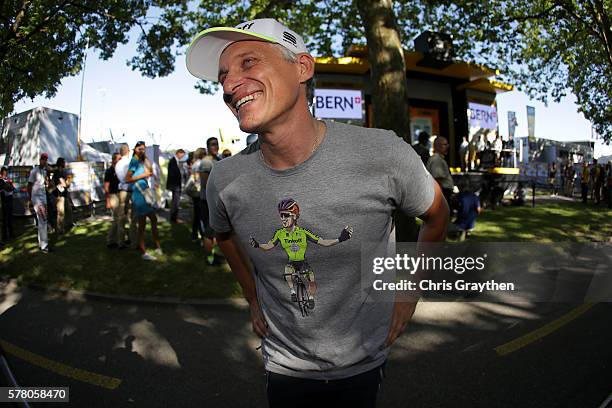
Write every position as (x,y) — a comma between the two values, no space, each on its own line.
(307,66)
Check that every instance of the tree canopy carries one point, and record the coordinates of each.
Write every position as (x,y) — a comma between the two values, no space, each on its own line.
(43,41)
(546,48)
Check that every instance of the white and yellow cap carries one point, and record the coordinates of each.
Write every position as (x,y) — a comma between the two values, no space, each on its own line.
(206,48)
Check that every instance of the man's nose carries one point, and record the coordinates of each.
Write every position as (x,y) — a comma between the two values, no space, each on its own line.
(231,83)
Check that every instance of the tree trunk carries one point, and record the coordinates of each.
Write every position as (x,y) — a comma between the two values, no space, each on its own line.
(388,73)
(387,66)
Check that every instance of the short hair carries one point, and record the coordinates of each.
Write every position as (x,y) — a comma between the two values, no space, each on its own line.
(209,141)
(180,151)
(60,161)
(423,137)
(124,149)
(199,153)
(290,56)
(3,169)
(116,154)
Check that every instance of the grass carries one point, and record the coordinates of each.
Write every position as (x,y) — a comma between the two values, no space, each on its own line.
(83,262)
(546,222)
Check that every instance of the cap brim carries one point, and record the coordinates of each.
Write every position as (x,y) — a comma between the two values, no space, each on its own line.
(206,48)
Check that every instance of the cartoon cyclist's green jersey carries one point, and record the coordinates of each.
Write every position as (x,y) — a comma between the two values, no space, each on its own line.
(294,243)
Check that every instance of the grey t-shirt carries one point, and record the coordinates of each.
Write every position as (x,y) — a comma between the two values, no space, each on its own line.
(357,177)
(202,166)
(438,168)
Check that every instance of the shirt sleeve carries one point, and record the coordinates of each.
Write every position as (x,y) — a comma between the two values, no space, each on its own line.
(411,186)
(133,166)
(275,238)
(219,218)
(32,177)
(107,176)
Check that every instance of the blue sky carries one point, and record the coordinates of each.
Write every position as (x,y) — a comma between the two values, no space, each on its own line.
(171,112)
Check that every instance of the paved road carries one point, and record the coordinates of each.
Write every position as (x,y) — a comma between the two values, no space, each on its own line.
(128,354)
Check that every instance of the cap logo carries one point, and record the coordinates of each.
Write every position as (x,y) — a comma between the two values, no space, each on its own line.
(290,38)
(246,26)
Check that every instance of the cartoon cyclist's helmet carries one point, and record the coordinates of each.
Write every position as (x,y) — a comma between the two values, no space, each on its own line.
(289,205)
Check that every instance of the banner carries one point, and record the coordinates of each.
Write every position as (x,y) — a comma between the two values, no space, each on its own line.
(482,116)
(512,124)
(338,104)
(531,122)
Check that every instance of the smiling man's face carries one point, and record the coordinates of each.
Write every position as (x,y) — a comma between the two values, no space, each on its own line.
(261,87)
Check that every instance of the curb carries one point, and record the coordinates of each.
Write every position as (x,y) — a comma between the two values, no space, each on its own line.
(239,303)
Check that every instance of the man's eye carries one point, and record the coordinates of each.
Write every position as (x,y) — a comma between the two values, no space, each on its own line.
(248,62)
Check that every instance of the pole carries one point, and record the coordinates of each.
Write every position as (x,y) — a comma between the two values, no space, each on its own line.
(79,157)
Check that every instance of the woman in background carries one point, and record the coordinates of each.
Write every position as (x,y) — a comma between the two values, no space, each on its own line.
(139,170)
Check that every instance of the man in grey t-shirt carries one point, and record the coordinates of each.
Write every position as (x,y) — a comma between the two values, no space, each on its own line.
(438,167)
(335,353)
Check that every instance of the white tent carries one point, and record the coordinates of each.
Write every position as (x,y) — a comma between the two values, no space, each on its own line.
(92,155)
(30,133)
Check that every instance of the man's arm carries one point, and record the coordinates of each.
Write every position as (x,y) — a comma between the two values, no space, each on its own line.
(239,263)
(434,229)
(130,178)
(107,193)
(435,219)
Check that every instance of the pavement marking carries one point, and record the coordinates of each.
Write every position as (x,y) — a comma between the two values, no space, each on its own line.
(545,330)
(61,369)
(606,402)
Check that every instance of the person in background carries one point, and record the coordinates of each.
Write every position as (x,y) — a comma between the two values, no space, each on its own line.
(552,179)
(38,182)
(212,145)
(137,175)
(422,147)
(111,189)
(193,189)
(584,181)
(464,153)
(597,181)
(63,207)
(226,153)
(174,184)
(124,210)
(438,167)
(202,170)
(472,151)
(570,175)
(498,146)
(468,209)
(6,194)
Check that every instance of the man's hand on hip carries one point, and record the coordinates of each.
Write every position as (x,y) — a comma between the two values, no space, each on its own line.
(260,327)
(402,313)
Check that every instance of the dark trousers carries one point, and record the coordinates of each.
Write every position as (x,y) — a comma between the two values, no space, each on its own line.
(196,224)
(7,217)
(174,207)
(359,391)
(585,192)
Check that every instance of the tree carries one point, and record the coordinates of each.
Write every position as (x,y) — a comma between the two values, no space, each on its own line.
(545,47)
(43,41)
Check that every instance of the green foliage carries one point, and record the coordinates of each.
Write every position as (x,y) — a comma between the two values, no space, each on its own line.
(43,41)
(546,48)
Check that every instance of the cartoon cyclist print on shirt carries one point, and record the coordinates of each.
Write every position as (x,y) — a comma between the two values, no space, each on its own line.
(294,240)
